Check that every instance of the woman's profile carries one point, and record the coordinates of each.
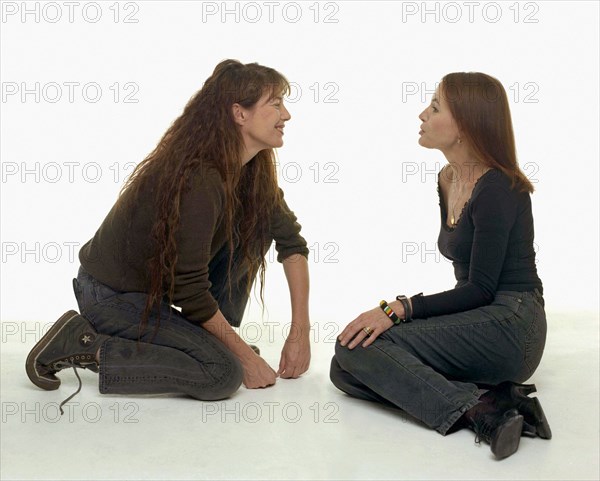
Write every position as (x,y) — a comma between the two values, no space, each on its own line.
(455,359)
(190,229)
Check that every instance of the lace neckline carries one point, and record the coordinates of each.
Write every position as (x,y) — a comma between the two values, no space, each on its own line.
(444,209)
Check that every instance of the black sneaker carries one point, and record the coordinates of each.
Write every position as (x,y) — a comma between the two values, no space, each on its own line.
(70,342)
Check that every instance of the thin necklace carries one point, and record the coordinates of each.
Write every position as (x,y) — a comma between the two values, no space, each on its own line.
(452,214)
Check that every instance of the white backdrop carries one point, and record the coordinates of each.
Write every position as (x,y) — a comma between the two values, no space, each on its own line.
(88,88)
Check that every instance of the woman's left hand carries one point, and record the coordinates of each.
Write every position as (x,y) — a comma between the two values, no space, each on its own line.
(295,356)
(374,322)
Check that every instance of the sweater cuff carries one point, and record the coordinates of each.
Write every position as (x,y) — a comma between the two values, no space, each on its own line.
(418,306)
(200,315)
(285,253)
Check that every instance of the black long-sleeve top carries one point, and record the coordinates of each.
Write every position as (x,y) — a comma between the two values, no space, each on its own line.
(491,248)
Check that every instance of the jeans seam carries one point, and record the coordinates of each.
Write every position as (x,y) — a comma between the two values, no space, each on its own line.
(414,375)
(102,373)
(454,416)
(108,379)
(529,342)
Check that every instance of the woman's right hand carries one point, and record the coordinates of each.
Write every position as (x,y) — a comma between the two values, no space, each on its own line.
(257,373)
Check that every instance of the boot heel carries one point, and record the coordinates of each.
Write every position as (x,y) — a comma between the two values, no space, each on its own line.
(506,441)
(525,389)
(542,426)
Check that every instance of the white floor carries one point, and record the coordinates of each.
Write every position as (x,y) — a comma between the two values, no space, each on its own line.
(299,429)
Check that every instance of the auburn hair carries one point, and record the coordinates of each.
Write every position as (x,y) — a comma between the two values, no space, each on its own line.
(206,135)
(479,105)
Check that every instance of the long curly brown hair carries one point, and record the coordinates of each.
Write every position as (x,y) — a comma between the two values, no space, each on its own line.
(205,135)
(479,105)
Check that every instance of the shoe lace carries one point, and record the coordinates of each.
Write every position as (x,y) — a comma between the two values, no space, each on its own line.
(62,365)
(482,428)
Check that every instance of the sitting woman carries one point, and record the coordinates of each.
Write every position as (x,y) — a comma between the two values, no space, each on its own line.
(453,359)
(190,229)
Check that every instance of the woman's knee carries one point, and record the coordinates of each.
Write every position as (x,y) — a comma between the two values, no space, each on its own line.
(341,352)
(227,381)
(335,372)
(348,358)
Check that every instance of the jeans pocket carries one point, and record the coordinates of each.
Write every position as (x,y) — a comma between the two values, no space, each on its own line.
(102,292)
(512,300)
(89,291)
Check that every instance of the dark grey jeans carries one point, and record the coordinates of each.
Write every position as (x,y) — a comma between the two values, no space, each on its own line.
(181,357)
(433,368)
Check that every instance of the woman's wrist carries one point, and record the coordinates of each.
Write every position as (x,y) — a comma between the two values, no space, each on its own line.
(299,330)
(398,308)
(407,305)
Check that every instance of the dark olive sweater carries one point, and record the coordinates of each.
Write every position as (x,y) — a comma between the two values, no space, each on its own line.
(491,248)
(117,254)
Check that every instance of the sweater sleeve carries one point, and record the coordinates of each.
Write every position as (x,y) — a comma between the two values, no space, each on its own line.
(285,230)
(493,210)
(200,217)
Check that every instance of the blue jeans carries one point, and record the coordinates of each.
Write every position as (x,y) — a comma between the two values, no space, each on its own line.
(433,368)
(179,357)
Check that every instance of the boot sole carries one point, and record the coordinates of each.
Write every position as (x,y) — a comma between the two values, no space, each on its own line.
(46,383)
(506,441)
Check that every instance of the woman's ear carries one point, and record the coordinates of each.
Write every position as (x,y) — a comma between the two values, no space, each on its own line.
(239,114)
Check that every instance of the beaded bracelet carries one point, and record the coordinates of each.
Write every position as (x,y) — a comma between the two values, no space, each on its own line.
(389,312)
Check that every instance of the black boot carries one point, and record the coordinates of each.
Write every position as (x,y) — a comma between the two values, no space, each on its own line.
(70,342)
(502,430)
(509,395)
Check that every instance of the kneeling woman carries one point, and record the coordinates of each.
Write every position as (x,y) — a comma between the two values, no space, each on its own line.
(190,229)
(434,356)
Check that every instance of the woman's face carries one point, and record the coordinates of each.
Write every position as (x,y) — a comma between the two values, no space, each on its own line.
(262,125)
(438,128)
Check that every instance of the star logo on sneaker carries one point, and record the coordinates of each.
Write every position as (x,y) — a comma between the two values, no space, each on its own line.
(86,339)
